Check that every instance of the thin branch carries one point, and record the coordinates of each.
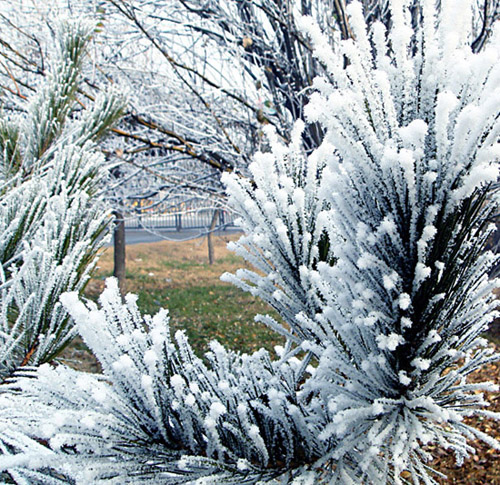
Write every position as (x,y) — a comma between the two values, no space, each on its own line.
(176,66)
(18,91)
(170,180)
(185,149)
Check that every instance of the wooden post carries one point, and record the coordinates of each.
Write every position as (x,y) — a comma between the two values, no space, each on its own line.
(119,251)
(209,237)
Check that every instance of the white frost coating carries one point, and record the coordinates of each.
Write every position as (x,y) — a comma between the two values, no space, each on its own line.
(390,280)
(414,134)
(404,301)
(150,357)
(75,307)
(479,176)
(177,382)
(422,272)
(388,226)
(123,364)
(377,408)
(389,342)
(421,364)
(217,409)
(242,465)
(428,233)
(190,400)
(403,378)
(147,382)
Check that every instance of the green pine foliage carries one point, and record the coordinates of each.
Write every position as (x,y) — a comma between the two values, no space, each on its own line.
(51,223)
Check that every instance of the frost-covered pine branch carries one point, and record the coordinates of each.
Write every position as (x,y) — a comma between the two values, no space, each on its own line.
(370,248)
(287,231)
(50,226)
(168,417)
(413,119)
(51,223)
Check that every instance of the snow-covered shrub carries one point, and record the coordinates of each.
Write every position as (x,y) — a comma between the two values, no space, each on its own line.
(51,223)
(371,251)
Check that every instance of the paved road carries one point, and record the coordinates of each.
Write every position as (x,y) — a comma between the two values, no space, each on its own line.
(136,236)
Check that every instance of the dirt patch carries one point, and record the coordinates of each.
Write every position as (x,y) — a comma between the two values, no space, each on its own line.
(482,468)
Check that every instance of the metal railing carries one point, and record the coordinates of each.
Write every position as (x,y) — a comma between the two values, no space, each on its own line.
(196,219)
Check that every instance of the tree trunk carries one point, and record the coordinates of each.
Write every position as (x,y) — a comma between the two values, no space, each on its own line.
(209,237)
(119,251)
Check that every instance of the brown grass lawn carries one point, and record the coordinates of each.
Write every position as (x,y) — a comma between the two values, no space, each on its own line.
(177,275)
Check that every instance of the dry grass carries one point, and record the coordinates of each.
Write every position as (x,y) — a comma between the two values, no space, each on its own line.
(177,276)
(172,264)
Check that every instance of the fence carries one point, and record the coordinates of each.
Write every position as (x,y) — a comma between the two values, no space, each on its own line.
(198,219)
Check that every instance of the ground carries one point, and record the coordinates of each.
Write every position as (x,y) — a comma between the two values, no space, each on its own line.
(177,275)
